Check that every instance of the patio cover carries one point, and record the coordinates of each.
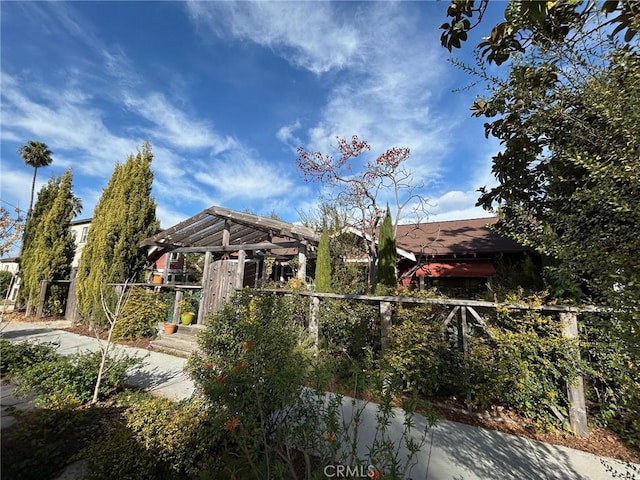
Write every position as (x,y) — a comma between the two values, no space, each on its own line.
(218,229)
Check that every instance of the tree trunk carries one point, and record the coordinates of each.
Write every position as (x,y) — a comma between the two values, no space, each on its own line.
(33,188)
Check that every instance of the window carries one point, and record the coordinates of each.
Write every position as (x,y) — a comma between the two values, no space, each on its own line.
(83,237)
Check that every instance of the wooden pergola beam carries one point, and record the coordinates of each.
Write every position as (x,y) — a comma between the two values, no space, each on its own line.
(235,248)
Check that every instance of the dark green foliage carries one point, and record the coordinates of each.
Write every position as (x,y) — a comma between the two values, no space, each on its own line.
(155,438)
(387,256)
(525,368)
(46,441)
(142,312)
(124,216)
(613,384)
(532,22)
(347,277)
(252,367)
(118,455)
(519,360)
(5,281)
(569,176)
(49,247)
(419,353)
(16,357)
(349,328)
(69,381)
(323,264)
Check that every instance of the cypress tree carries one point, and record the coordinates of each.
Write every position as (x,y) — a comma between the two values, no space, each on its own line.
(387,253)
(49,247)
(124,216)
(323,264)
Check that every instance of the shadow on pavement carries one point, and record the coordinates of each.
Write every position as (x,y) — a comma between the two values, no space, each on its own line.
(153,378)
(479,453)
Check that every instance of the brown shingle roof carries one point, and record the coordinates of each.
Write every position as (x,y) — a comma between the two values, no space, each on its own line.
(459,237)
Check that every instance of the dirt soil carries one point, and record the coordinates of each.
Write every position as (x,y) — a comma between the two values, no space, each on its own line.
(601,441)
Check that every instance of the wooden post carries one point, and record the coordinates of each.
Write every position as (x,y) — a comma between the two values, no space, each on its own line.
(44,286)
(302,261)
(176,307)
(240,273)
(385,323)
(71,312)
(204,297)
(29,310)
(463,327)
(314,311)
(575,389)
(226,233)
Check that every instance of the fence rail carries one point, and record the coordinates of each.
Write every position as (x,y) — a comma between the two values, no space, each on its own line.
(568,318)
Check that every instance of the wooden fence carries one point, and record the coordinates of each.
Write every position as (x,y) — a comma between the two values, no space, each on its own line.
(462,311)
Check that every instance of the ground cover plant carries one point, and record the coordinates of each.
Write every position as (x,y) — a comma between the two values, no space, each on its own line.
(48,439)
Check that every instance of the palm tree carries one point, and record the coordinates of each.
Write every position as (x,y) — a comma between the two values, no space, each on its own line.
(35,154)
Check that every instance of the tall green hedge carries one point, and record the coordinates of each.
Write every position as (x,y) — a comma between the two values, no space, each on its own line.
(323,264)
(49,247)
(387,257)
(124,216)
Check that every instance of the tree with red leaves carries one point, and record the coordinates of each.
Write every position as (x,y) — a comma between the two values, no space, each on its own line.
(360,191)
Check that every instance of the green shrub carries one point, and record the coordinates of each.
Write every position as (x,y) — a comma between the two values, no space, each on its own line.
(253,365)
(5,281)
(613,384)
(525,363)
(178,434)
(155,438)
(45,441)
(56,301)
(349,327)
(141,314)
(70,381)
(15,357)
(118,455)
(417,353)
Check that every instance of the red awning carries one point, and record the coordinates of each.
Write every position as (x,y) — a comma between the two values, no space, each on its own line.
(457,269)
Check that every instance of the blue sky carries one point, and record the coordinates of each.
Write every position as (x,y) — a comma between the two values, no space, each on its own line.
(225,92)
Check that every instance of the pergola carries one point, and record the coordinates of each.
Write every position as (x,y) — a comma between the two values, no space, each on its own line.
(219,232)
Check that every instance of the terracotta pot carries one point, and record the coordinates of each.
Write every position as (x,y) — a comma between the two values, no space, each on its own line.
(170,328)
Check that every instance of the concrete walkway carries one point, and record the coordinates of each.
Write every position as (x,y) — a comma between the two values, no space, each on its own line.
(452,451)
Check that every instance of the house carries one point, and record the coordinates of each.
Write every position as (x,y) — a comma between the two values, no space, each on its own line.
(10,264)
(79,232)
(170,266)
(456,255)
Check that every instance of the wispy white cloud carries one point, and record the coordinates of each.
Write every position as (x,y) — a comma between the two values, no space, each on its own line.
(66,120)
(173,126)
(239,175)
(168,216)
(15,185)
(286,135)
(296,30)
(384,70)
